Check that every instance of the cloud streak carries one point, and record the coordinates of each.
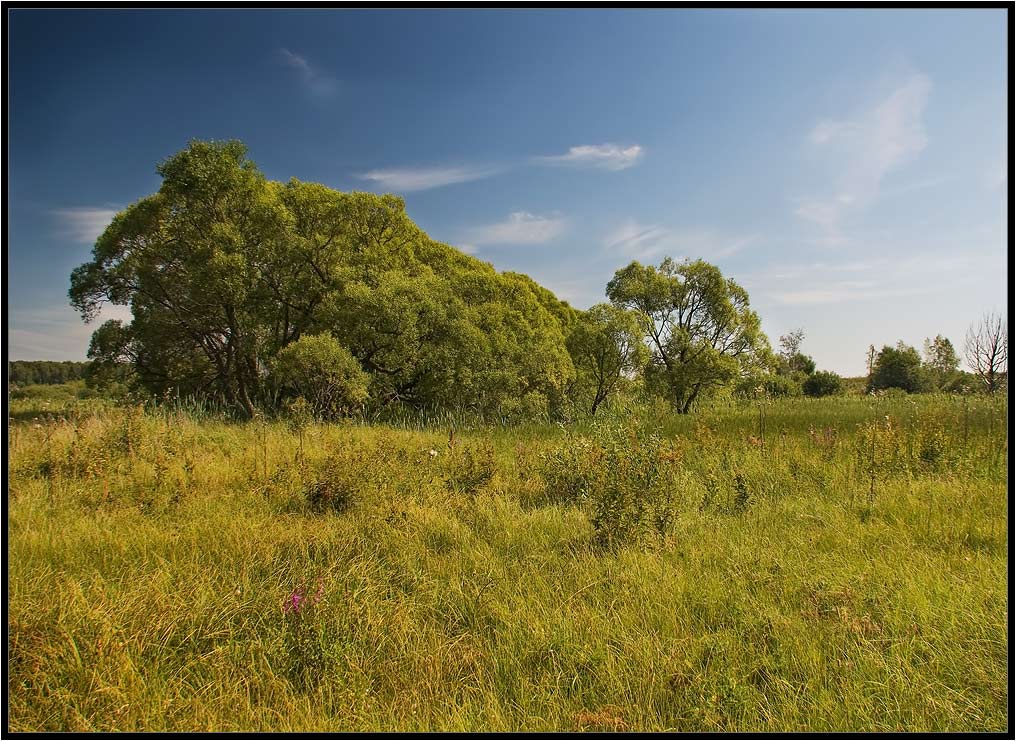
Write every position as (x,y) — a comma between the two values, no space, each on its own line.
(601,156)
(406,179)
(313,80)
(521,227)
(56,332)
(652,241)
(859,281)
(863,150)
(83,225)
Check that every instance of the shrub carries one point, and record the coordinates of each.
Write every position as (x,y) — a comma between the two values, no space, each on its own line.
(623,477)
(822,383)
(324,372)
(531,406)
(569,471)
(899,367)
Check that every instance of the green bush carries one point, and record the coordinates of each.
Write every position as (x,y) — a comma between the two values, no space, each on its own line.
(568,471)
(335,488)
(899,367)
(822,383)
(622,476)
(320,369)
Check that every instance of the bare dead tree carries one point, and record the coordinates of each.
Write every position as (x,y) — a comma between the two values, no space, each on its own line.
(987,350)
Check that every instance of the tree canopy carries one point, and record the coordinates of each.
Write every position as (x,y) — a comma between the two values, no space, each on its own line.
(898,367)
(606,347)
(223,268)
(700,329)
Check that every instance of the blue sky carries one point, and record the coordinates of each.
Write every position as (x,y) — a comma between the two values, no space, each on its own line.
(848,167)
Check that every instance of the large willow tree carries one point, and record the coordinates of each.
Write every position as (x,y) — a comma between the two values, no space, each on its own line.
(223,268)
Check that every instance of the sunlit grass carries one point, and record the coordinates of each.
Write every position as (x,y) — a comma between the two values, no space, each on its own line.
(825,569)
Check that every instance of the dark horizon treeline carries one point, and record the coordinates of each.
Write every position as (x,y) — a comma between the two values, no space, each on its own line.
(45,372)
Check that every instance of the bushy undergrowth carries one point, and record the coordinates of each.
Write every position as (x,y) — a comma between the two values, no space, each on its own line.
(840,566)
(623,476)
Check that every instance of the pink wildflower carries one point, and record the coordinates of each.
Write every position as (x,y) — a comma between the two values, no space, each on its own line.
(293,602)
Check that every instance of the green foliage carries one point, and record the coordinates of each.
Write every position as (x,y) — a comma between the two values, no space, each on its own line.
(792,362)
(468,467)
(44,372)
(319,369)
(606,348)
(51,392)
(898,367)
(223,269)
(822,383)
(940,361)
(569,471)
(770,386)
(622,476)
(799,364)
(700,329)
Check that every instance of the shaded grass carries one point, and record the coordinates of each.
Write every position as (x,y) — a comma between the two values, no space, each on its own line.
(150,555)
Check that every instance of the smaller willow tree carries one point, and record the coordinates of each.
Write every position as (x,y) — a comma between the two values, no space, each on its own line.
(701,332)
(606,347)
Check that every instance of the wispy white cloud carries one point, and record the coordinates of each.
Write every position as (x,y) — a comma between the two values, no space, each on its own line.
(55,332)
(836,293)
(863,150)
(521,227)
(649,241)
(859,281)
(314,81)
(83,224)
(602,156)
(407,179)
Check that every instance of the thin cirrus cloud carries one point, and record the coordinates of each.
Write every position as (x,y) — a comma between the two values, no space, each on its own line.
(406,179)
(863,150)
(875,278)
(56,332)
(521,227)
(313,80)
(600,156)
(651,241)
(83,225)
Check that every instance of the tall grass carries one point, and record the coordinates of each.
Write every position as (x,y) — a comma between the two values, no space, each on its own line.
(840,567)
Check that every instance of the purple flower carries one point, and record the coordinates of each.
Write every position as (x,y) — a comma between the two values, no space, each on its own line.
(299,599)
(293,602)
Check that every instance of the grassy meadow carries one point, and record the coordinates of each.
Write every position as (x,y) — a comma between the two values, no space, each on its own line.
(834,564)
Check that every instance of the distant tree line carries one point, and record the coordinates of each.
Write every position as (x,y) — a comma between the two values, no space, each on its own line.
(48,372)
(903,367)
